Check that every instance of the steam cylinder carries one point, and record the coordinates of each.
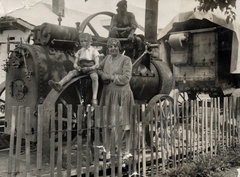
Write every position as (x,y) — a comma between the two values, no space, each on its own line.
(45,33)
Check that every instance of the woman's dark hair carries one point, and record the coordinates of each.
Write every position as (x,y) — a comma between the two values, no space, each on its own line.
(114,41)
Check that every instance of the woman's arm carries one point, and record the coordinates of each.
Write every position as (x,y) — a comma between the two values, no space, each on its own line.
(124,78)
(106,78)
(101,66)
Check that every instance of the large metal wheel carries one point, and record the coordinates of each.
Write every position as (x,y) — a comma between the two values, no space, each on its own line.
(161,112)
(71,94)
(4,138)
(99,39)
(100,33)
(2,106)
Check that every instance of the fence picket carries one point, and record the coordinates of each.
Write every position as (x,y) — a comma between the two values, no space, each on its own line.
(79,140)
(27,140)
(206,125)
(198,132)
(227,122)
(11,145)
(165,110)
(215,125)
(113,142)
(218,120)
(211,127)
(171,133)
(52,143)
(105,136)
(183,116)
(19,139)
(96,142)
(174,132)
(144,122)
(119,141)
(162,139)
(131,146)
(194,127)
(230,121)
(202,126)
(223,122)
(187,131)
(151,136)
(138,138)
(179,132)
(39,138)
(89,137)
(69,139)
(156,136)
(60,134)
(191,130)
(234,123)
(238,117)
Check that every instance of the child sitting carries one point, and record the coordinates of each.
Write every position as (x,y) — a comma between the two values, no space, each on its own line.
(86,61)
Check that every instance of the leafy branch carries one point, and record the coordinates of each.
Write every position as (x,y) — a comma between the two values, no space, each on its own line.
(224,5)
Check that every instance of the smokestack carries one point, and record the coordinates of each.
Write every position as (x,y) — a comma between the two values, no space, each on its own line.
(151,19)
(58,7)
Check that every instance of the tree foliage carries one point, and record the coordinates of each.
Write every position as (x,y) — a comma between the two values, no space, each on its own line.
(225,6)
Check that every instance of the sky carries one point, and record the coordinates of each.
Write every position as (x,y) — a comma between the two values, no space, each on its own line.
(167,8)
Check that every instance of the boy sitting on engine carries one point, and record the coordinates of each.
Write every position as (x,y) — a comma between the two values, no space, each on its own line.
(86,61)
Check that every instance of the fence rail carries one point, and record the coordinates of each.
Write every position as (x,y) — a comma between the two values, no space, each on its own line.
(165,136)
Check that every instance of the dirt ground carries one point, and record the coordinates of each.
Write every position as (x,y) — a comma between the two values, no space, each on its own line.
(3,163)
(232,172)
(4,158)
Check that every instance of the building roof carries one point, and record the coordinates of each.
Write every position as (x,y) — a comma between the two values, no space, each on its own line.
(37,14)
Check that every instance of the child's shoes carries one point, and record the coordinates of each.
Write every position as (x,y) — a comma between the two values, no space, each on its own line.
(108,156)
(94,102)
(55,85)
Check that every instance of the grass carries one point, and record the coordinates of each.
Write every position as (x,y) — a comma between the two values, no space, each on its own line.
(207,166)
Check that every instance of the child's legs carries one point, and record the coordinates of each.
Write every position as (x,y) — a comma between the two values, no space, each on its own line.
(107,142)
(68,77)
(127,135)
(94,77)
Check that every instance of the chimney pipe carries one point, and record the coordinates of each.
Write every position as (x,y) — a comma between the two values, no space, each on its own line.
(151,19)
(58,7)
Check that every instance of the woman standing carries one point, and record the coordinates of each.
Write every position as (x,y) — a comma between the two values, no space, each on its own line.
(115,72)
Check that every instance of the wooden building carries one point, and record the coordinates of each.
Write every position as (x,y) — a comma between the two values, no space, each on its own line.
(17,24)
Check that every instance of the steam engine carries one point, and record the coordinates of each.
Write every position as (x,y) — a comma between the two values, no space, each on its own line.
(31,66)
(192,58)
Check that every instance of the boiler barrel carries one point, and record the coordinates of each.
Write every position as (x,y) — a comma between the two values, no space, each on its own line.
(46,32)
(146,84)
